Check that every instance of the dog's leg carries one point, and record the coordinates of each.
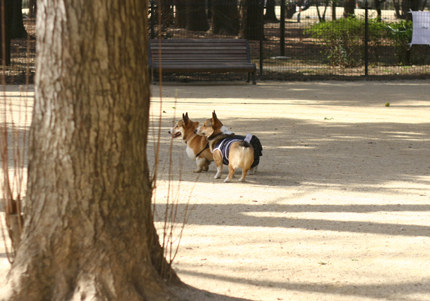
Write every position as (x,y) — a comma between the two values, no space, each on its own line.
(230,173)
(253,170)
(200,165)
(218,162)
(206,165)
(242,178)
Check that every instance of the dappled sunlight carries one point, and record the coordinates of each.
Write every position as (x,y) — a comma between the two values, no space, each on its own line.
(286,261)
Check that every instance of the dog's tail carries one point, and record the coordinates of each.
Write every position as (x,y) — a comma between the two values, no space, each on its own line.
(246,141)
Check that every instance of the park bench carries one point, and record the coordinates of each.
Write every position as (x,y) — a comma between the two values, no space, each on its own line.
(201,55)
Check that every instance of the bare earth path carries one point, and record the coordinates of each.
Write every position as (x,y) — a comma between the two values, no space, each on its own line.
(339,209)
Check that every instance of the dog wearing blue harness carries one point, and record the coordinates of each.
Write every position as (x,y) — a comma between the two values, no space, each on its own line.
(228,149)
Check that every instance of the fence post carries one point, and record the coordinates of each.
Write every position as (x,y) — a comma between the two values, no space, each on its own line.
(282,25)
(261,38)
(366,38)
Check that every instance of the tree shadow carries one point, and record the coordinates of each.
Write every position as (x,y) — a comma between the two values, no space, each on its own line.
(249,215)
(187,292)
(328,153)
(377,291)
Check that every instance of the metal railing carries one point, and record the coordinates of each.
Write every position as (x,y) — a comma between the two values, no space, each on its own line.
(290,49)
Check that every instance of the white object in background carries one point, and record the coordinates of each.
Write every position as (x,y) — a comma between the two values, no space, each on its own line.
(420,27)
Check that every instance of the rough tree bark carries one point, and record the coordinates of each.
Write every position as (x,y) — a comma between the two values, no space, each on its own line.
(225,17)
(89,232)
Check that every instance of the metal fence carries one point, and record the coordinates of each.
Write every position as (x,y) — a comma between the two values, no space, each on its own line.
(293,47)
(22,66)
(287,49)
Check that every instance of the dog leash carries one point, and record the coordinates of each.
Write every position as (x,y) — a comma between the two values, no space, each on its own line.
(206,147)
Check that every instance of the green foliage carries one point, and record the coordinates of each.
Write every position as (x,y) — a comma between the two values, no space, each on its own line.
(400,34)
(344,40)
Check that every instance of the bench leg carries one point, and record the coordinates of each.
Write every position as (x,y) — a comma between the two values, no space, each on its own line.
(253,78)
(153,76)
(248,77)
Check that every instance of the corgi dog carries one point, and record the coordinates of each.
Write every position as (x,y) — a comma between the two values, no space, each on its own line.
(227,149)
(197,146)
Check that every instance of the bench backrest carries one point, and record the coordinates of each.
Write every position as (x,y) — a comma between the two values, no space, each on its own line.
(199,50)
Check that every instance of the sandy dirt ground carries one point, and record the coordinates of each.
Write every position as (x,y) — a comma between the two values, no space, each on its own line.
(339,209)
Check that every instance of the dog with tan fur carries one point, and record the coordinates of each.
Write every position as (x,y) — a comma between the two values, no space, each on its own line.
(228,149)
(197,146)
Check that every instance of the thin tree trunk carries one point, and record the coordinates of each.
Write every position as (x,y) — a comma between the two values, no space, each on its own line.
(89,233)
(333,10)
(5,34)
(397,9)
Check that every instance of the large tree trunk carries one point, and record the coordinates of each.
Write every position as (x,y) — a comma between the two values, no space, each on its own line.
(89,232)
(251,26)
(225,17)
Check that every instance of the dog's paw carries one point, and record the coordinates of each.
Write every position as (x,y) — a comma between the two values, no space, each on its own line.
(242,179)
(226,180)
(197,170)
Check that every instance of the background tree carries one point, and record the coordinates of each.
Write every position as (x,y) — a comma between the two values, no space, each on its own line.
(17,26)
(321,17)
(181,13)
(333,9)
(378,8)
(225,17)
(348,8)
(251,26)
(408,5)
(5,31)
(197,19)
(270,14)
(89,232)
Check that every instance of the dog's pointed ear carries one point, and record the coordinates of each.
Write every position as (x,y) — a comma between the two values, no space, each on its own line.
(185,117)
(215,120)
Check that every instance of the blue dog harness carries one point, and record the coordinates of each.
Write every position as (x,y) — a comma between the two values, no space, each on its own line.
(224,147)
